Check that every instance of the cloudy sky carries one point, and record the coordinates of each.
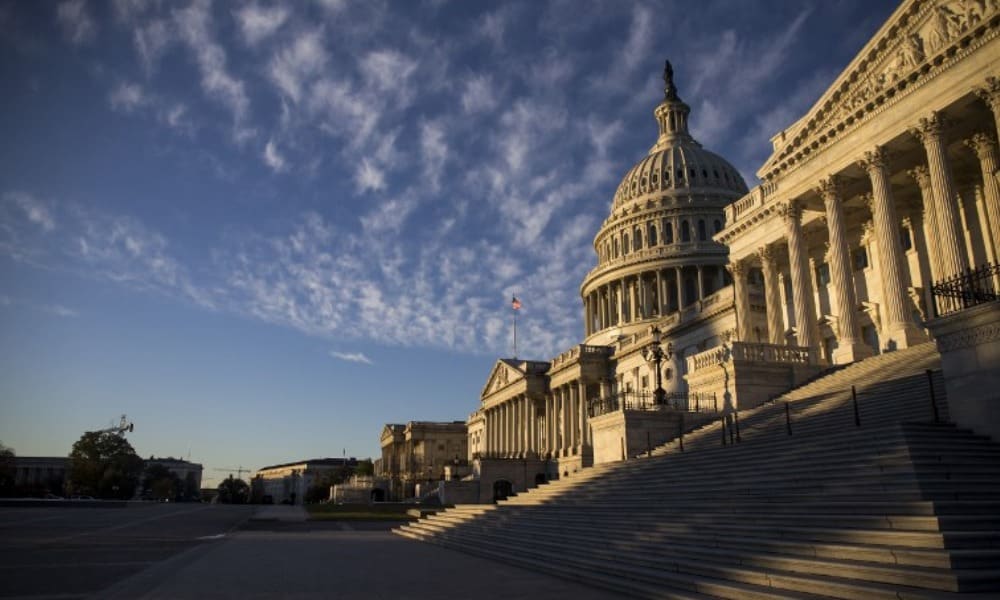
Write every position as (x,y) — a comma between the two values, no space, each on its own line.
(263,230)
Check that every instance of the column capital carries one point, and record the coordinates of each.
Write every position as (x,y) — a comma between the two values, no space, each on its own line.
(990,93)
(790,211)
(922,175)
(982,144)
(737,268)
(868,199)
(829,188)
(767,256)
(874,160)
(929,129)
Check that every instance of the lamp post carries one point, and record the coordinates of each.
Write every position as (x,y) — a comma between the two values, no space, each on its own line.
(655,353)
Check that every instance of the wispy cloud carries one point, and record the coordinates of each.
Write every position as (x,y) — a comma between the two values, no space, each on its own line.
(355,357)
(258,23)
(194,25)
(74,19)
(272,158)
(60,310)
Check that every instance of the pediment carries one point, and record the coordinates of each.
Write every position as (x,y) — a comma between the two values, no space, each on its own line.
(503,374)
(900,56)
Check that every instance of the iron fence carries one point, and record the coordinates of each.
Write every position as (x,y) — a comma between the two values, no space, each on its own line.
(968,289)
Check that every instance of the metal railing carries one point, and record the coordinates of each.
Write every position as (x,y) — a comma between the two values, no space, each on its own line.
(968,289)
(685,402)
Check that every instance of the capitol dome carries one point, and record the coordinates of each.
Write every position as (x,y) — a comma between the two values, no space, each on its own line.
(655,252)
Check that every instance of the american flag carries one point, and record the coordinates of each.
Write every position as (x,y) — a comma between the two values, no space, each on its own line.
(515,303)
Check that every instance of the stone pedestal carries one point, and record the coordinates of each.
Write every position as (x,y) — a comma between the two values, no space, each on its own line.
(969,343)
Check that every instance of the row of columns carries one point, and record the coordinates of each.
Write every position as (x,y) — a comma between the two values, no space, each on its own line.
(642,296)
(668,231)
(943,232)
(515,429)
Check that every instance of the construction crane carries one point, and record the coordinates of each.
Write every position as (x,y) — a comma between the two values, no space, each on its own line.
(239,471)
(120,429)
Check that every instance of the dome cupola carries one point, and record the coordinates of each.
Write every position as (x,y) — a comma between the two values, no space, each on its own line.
(655,252)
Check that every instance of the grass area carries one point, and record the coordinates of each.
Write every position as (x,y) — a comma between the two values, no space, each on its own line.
(359,512)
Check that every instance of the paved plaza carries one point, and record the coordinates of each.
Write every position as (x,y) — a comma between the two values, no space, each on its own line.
(177,551)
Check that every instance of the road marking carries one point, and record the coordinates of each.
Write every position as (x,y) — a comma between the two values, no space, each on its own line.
(212,537)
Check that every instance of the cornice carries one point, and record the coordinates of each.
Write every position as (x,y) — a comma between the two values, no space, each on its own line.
(922,39)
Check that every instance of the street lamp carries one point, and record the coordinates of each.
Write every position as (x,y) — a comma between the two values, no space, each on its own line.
(656,353)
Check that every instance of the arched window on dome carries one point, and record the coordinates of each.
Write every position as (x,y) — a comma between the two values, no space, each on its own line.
(717,224)
(652,235)
(625,247)
(637,239)
(668,233)
(702,234)
(616,247)
(685,232)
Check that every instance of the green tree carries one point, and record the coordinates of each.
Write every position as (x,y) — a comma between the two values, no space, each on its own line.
(7,470)
(233,491)
(160,482)
(104,465)
(365,468)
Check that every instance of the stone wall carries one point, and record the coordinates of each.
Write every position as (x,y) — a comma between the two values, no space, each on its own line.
(969,343)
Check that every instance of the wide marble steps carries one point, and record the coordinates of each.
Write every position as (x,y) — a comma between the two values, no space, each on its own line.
(898,507)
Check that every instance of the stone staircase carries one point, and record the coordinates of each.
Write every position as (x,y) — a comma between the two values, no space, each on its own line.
(898,508)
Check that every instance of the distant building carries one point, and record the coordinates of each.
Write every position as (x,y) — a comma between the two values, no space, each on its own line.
(39,475)
(188,473)
(289,482)
(420,452)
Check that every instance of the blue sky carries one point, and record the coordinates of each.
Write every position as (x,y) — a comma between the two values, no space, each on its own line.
(263,230)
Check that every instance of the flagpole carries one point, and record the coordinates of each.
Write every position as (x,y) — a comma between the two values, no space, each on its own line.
(515,305)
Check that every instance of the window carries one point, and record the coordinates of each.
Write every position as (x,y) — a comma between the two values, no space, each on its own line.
(637,239)
(860,258)
(685,232)
(645,381)
(616,247)
(668,234)
(625,247)
(702,235)
(717,224)
(904,238)
(823,274)
(652,235)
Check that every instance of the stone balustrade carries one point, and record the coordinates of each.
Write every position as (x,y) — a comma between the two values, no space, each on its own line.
(751,352)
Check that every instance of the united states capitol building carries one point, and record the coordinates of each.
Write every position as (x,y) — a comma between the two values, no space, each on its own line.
(709,298)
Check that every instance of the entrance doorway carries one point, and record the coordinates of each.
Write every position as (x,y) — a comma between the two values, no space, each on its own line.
(502,489)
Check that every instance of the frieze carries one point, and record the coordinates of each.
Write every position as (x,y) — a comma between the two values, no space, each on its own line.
(968,338)
(918,45)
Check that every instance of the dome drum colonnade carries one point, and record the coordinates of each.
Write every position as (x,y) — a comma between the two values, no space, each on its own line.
(918,184)
(655,251)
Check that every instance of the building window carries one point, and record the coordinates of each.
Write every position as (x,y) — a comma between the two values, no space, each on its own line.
(668,234)
(702,235)
(637,240)
(905,238)
(685,232)
(616,247)
(823,274)
(717,224)
(652,235)
(624,243)
(645,381)
(860,258)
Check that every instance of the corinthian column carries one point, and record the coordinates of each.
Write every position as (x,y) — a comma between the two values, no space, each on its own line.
(949,234)
(900,330)
(990,94)
(802,295)
(923,178)
(772,296)
(849,345)
(986,149)
(739,272)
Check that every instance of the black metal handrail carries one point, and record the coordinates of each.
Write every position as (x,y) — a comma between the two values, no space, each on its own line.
(968,289)
(686,402)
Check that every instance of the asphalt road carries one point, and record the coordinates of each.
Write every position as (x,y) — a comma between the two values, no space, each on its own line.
(66,553)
